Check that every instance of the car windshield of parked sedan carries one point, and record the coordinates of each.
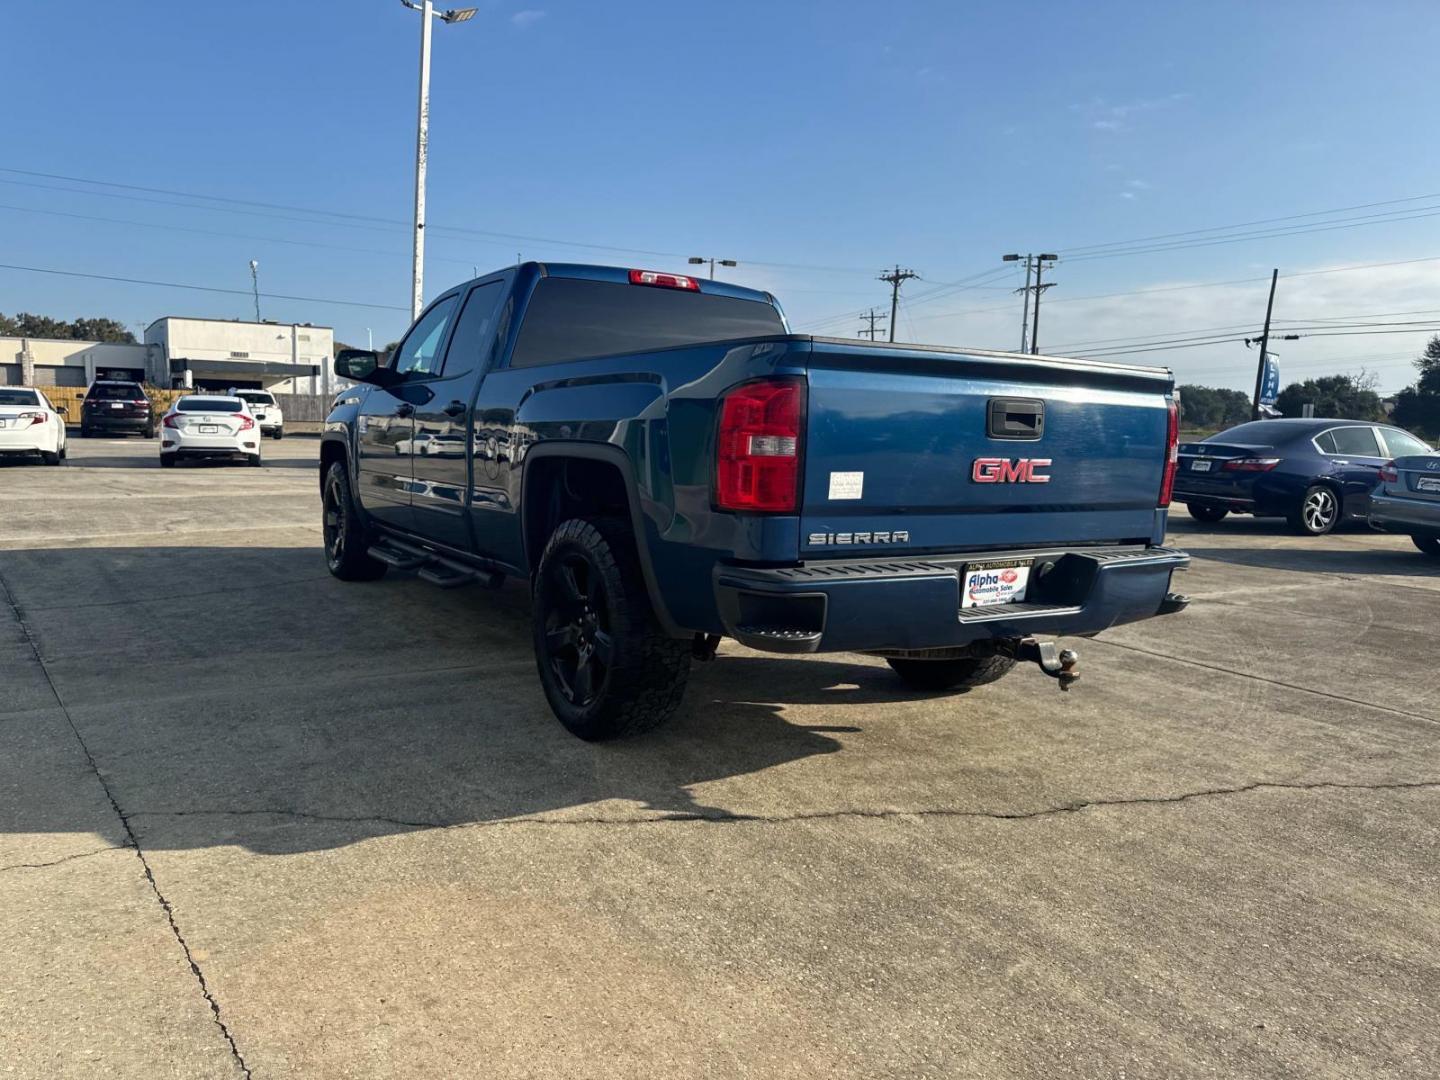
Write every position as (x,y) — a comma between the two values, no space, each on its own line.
(19,397)
(209,404)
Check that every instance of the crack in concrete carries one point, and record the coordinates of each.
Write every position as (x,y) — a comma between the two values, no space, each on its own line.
(725,817)
(132,840)
(64,859)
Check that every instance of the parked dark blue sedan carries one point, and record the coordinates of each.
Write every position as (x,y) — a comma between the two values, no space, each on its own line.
(1407,500)
(1313,473)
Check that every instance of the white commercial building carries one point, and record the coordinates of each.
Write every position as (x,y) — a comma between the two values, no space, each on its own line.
(207,354)
(214,354)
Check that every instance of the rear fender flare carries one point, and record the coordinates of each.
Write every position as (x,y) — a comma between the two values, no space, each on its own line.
(611,455)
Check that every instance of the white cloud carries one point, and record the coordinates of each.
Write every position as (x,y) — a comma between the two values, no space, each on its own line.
(528,17)
(1127,194)
(1107,116)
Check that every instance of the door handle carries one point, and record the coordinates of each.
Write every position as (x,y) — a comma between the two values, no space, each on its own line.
(405,409)
(455,408)
(1341,461)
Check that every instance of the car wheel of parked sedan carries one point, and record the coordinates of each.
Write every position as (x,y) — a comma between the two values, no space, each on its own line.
(1430,545)
(344,531)
(84,432)
(1319,511)
(253,459)
(50,458)
(279,433)
(960,673)
(606,666)
(150,432)
(1207,514)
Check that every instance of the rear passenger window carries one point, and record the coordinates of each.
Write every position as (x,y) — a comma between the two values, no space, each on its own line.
(472,332)
(1326,442)
(1403,444)
(1355,440)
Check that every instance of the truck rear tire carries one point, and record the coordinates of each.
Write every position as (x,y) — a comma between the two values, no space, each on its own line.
(344,530)
(1207,514)
(961,673)
(607,668)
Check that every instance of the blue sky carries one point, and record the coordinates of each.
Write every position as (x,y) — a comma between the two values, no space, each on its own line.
(840,137)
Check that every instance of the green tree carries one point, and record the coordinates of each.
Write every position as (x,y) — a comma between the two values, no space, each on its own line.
(1213,407)
(1335,397)
(25,324)
(1417,407)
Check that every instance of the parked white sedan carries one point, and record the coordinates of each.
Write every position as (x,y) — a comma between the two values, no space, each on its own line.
(30,425)
(209,425)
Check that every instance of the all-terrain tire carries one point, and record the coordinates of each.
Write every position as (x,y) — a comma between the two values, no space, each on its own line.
(589,594)
(1207,514)
(1430,545)
(346,539)
(961,673)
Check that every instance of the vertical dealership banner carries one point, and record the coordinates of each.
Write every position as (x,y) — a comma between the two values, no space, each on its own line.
(1270,386)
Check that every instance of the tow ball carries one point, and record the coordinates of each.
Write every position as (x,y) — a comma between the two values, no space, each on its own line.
(1059,664)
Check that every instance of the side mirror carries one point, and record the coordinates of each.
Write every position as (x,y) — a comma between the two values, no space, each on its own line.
(361,365)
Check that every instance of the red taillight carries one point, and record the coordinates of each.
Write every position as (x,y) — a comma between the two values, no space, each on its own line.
(1389,474)
(1250,464)
(1172,454)
(33,417)
(246,423)
(141,401)
(758,450)
(170,421)
(664,281)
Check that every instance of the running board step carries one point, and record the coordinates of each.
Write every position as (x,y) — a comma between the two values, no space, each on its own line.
(433,568)
(398,560)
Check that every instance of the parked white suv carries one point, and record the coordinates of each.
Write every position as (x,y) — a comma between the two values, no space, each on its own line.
(266,409)
(209,425)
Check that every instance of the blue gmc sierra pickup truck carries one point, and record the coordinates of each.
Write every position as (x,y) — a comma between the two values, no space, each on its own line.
(667,465)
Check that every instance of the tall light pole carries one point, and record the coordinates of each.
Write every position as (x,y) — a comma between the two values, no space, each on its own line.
(422,137)
(255,286)
(696,260)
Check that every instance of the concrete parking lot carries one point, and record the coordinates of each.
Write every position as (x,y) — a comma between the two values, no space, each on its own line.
(254,821)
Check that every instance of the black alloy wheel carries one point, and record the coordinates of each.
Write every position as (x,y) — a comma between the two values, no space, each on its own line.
(579,645)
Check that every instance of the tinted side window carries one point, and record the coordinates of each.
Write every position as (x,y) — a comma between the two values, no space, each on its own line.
(472,331)
(1403,444)
(1356,440)
(419,353)
(1326,442)
(569,319)
(116,392)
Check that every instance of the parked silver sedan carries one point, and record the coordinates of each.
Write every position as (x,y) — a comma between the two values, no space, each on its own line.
(1407,500)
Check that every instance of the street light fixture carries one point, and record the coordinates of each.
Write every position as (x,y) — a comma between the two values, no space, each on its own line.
(422,137)
(696,260)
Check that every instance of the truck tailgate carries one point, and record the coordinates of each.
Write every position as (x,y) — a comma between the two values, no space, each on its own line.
(920,449)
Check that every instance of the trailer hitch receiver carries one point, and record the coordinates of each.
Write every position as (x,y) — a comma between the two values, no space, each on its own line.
(1059,664)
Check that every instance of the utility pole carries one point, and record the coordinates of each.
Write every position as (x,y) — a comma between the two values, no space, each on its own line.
(255,286)
(422,139)
(896,278)
(1264,344)
(1035,325)
(872,317)
(1025,292)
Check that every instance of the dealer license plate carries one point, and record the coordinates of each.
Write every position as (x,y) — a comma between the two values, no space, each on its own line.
(1427,483)
(1199,466)
(117,404)
(209,429)
(1001,582)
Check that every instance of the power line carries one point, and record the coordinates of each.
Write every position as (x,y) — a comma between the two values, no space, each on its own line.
(199,288)
(1078,249)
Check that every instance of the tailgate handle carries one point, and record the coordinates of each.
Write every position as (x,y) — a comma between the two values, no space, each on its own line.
(1016,418)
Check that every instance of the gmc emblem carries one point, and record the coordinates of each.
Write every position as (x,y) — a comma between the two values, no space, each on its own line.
(998,470)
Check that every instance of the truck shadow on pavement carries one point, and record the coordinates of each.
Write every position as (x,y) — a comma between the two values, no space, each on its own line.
(238,695)
(1318,559)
